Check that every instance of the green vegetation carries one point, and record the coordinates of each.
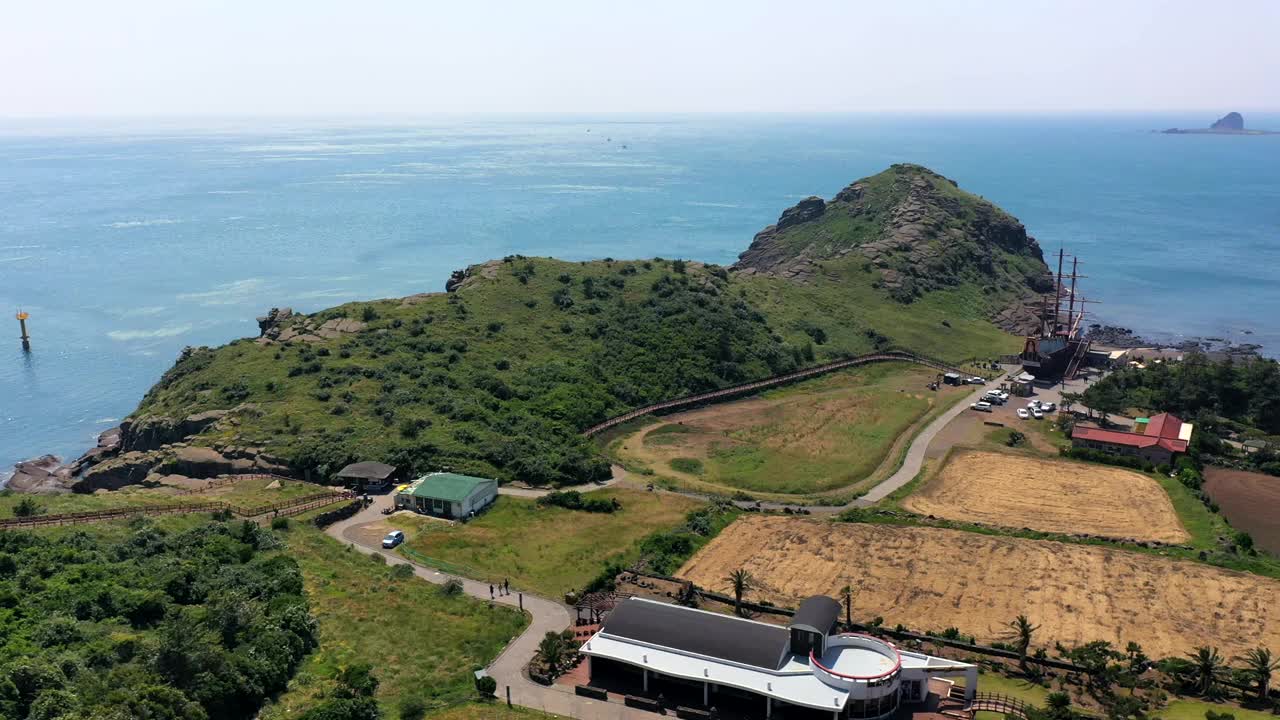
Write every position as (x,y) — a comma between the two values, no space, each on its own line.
(692,466)
(423,642)
(250,492)
(124,621)
(549,550)
(498,377)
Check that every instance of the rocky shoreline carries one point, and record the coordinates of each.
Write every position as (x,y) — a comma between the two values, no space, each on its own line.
(1121,337)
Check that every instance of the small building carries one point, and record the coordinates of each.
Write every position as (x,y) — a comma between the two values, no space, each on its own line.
(1022,385)
(367,475)
(753,669)
(953,379)
(447,495)
(1157,441)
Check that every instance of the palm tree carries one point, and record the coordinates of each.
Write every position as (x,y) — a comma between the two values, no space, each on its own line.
(552,650)
(1208,666)
(1020,632)
(1260,663)
(846,594)
(741,581)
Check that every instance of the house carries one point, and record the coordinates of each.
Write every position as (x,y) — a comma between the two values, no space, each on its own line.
(754,669)
(1157,441)
(448,495)
(367,475)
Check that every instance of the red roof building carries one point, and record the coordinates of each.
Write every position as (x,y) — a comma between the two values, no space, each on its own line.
(1166,436)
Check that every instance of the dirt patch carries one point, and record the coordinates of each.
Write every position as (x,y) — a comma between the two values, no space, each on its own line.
(1250,501)
(1017,491)
(931,579)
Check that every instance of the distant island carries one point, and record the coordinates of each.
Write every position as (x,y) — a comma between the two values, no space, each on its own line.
(1230,124)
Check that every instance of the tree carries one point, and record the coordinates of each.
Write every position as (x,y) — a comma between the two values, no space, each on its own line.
(1259,664)
(1207,667)
(1020,632)
(486,686)
(740,581)
(846,594)
(27,507)
(1058,705)
(552,651)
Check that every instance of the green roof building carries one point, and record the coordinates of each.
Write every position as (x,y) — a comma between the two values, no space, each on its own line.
(447,495)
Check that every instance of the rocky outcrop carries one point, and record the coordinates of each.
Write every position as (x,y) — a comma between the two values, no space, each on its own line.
(45,474)
(1230,121)
(919,232)
(269,325)
(151,432)
(129,468)
(204,462)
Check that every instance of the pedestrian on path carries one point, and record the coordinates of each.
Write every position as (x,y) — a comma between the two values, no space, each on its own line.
(490,592)
(506,586)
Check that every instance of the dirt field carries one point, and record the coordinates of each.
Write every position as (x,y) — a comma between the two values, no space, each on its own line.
(817,436)
(931,579)
(1018,491)
(1250,501)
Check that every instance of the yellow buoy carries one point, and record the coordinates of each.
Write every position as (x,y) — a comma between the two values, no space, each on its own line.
(22,323)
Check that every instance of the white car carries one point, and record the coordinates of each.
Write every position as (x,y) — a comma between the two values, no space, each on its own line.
(393,538)
(1048,407)
(1037,414)
(1022,413)
(981,406)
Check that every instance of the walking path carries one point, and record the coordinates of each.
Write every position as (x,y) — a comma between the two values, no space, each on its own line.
(508,668)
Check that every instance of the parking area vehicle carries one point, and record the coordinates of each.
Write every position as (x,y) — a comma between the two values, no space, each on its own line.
(1037,414)
(393,538)
(1048,407)
(981,406)
(1023,413)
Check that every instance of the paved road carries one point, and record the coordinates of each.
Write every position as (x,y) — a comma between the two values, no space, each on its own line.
(508,668)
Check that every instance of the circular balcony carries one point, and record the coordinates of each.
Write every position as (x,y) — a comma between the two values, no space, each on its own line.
(868,668)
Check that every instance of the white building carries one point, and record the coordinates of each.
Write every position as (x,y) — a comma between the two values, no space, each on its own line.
(759,668)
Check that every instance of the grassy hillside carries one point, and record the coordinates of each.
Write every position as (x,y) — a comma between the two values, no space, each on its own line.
(498,377)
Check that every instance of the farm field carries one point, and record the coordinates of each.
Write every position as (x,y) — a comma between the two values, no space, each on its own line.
(549,550)
(248,492)
(420,642)
(933,578)
(1015,490)
(821,435)
(1251,501)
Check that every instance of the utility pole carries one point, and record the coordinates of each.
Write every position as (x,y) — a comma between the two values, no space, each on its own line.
(22,323)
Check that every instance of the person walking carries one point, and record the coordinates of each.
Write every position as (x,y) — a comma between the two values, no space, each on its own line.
(506,586)
(490,592)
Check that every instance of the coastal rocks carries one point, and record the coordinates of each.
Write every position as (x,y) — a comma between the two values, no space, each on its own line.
(45,474)
(808,209)
(201,462)
(129,468)
(456,278)
(269,325)
(459,279)
(154,431)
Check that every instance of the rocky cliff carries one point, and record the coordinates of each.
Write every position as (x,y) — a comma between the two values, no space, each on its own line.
(920,232)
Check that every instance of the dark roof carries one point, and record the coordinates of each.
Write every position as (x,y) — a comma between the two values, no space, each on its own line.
(368,470)
(818,612)
(696,631)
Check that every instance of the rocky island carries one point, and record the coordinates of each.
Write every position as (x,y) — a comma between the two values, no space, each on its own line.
(498,375)
(1230,124)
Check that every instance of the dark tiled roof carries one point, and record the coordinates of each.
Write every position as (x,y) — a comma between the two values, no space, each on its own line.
(818,612)
(702,633)
(368,470)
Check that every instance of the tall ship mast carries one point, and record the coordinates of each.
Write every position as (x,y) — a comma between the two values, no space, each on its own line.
(1057,348)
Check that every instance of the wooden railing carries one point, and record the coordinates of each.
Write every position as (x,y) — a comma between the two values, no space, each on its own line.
(996,702)
(750,387)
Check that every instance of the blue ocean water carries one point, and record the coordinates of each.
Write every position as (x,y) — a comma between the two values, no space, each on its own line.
(127,242)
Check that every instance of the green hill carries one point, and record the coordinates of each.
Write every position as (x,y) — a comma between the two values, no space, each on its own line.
(497,376)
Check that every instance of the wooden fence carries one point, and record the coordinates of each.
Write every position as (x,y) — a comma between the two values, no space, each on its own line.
(776,380)
(995,702)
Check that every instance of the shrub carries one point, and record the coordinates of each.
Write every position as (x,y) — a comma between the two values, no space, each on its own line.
(451,587)
(325,519)
(280,523)
(27,507)
(412,708)
(486,686)
(402,571)
(574,500)
(368,314)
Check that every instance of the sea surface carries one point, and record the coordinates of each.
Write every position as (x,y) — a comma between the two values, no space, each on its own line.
(126,241)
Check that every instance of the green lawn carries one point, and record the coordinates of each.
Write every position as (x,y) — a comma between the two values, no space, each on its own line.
(990,682)
(487,711)
(420,642)
(1195,710)
(549,550)
(249,492)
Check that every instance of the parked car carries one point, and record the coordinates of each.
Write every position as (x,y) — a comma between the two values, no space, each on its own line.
(1037,414)
(1048,407)
(981,406)
(975,380)
(393,538)
(1022,413)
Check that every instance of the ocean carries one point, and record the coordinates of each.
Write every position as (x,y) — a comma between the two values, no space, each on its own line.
(126,241)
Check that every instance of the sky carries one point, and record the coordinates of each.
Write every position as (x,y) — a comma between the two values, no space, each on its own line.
(412,57)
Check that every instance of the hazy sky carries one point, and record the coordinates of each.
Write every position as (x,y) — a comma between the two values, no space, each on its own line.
(322,57)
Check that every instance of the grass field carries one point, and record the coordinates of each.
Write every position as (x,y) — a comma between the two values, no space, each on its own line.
(1016,490)
(420,642)
(933,578)
(549,550)
(487,711)
(249,492)
(817,436)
